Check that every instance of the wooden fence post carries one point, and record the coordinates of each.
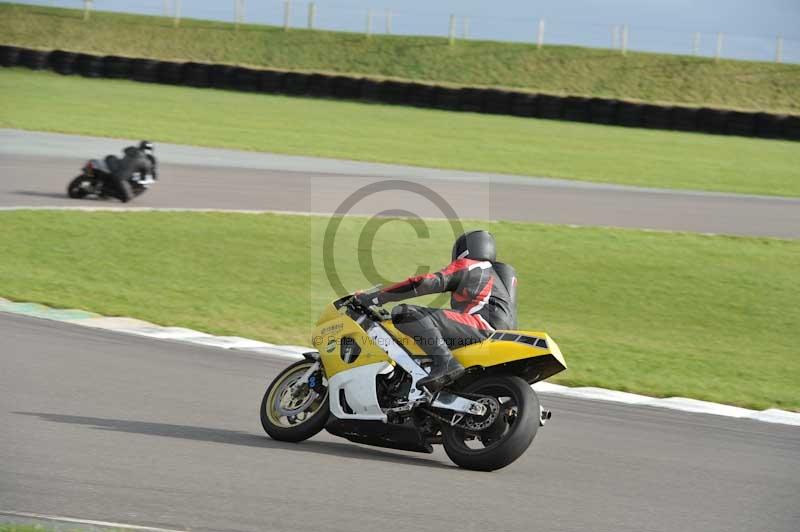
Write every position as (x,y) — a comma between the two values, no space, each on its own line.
(540,36)
(177,20)
(312,15)
(287,14)
(624,39)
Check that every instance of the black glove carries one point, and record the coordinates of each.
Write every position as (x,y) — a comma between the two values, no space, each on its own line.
(367,299)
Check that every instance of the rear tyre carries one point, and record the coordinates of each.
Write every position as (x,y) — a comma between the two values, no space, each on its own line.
(293,417)
(125,190)
(79,187)
(507,438)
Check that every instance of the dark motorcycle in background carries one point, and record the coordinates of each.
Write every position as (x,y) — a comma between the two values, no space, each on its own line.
(97,180)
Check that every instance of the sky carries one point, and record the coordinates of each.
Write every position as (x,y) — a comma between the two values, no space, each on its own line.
(750,27)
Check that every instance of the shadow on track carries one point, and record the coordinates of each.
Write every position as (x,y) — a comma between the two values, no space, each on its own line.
(38,194)
(235,437)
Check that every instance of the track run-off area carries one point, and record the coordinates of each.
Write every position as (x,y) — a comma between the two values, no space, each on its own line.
(118,428)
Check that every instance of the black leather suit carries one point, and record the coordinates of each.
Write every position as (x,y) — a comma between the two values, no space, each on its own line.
(134,160)
(480,303)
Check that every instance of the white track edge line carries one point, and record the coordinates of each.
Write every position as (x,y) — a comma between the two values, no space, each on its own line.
(680,404)
(108,524)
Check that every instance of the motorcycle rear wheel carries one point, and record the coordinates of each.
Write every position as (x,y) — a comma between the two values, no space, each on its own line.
(289,418)
(507,438)
(76,190)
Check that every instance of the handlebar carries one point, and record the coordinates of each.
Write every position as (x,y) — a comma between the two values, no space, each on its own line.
(373,312)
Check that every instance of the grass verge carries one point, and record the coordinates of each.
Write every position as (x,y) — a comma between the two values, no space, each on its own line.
(554,69)
(665,159)
(664,314)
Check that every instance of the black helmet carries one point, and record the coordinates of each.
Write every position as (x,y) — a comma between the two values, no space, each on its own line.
(146,146)
(475,245)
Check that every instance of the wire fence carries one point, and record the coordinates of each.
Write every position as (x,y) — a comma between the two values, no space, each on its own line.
(354,17)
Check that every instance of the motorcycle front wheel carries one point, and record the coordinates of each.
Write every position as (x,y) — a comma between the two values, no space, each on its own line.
(294,413)
(494,442)
(79,187)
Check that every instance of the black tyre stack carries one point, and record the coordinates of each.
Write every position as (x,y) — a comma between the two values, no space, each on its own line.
(470,99)
(64,63)
(9,56)
(246,79)
(448,98)
(33,59)
(684,118)
(550,107)
(498,102)
(294,83)
(769,126)
(394,92)
(145,70)
(657,116)
(320,86)
(603,111)
(577,109)
(89,66)
(742,124)
(526,105)
(220,76)
(117,67)
(346,88)
(170,73)
(791,127)
(629,114)
(371,90)
(421,95)
(196,75)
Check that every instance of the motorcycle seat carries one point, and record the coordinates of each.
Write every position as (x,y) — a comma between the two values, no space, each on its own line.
(101,165)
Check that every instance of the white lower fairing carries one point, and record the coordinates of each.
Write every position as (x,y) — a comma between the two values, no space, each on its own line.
(401,357)
(360,392)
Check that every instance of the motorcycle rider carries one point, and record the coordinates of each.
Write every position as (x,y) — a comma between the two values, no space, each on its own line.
(480,302)
(136,159)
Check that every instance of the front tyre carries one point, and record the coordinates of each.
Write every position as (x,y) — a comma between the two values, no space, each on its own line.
(294,413)
(79,187)
(489,444)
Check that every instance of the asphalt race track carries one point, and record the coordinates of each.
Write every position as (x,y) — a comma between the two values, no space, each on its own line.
(103,426)
(36,167)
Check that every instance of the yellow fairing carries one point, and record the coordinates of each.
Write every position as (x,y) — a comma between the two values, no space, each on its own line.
(490,352)
(494,352)
(541,354)
(329,337)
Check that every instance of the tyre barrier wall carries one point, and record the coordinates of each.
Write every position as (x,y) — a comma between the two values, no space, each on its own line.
(468,99)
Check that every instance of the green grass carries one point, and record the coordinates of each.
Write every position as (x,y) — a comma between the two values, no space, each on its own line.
(49,102)
(664,314)
(554,69)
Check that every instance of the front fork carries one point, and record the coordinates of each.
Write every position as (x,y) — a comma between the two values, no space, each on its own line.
(294,388)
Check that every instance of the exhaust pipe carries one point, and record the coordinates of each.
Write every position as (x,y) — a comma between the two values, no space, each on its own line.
(544,416)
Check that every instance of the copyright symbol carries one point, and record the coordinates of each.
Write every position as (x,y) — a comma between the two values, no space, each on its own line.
(368,233)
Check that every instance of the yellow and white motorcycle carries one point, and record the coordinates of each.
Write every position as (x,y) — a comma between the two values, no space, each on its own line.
(361,385)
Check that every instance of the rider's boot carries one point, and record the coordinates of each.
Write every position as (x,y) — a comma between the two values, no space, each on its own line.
(444,370)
